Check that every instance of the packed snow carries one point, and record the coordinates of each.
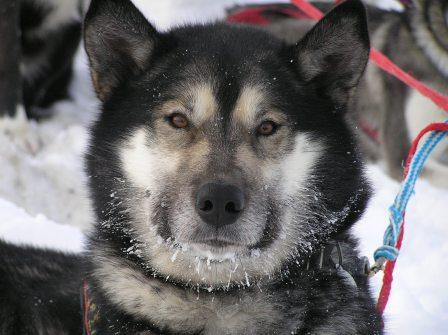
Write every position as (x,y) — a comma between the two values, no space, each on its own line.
(44,200)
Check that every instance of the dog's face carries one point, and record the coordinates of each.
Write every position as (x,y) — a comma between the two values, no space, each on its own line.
(221,154)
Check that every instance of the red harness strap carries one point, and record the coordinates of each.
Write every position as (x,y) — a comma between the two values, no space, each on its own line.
(90,314)
(259,15)
(85,308)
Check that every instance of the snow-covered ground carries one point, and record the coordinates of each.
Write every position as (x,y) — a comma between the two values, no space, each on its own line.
(43,198)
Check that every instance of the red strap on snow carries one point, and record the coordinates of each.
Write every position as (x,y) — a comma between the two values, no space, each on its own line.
(384,62)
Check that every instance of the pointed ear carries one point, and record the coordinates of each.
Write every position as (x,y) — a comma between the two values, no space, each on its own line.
(333,55)
(119,41)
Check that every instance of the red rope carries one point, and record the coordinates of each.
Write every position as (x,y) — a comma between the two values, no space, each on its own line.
(413,150)
(389,269)
(255,15)
(308,9)
(387,65)
(384,62)
(388,277)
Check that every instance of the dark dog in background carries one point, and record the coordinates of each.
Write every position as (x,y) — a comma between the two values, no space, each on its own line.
(38,41)
(387,114)
(225,183)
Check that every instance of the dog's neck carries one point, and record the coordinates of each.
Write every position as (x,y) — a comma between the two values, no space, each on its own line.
(153,298)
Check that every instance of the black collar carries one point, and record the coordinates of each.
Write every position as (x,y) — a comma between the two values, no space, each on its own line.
(330,258)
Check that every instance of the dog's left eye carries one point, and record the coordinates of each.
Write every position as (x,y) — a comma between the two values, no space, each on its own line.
(267,128)
(178,120)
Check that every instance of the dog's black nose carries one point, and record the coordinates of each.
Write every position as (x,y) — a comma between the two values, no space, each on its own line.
(219,204)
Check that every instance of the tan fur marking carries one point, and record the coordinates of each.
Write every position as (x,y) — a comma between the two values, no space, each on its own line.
(198,103)
(251,105)
(197,156)
(248,105)
(249,162)
(205,105)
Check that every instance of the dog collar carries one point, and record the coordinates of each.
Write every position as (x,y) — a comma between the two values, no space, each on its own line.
(330,258)
(90,313)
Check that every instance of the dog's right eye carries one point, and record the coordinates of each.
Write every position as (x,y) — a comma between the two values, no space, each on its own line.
(267,128)
(178,120)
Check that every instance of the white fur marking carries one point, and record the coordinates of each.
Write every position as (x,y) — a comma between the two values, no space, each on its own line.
(143,164)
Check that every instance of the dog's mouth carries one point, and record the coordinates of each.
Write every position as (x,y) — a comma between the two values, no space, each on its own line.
(218,243)
(217,250)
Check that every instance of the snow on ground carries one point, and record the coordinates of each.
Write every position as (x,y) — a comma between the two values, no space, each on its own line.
(19,227)
(43,198)
(419,300)
(42,162)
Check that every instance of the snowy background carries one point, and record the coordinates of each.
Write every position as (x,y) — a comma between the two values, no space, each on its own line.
(44,202)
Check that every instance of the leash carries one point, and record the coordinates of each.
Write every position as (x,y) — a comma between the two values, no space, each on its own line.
(393,236)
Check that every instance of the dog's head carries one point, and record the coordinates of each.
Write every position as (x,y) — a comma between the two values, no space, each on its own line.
(429,22)
(221,154)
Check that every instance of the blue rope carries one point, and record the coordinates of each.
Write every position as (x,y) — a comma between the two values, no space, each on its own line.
(388,250)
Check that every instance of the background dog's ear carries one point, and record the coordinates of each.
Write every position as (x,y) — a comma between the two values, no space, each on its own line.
(334,54)
(119,42)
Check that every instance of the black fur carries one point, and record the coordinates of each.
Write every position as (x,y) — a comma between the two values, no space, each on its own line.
(39,291)
(10,89)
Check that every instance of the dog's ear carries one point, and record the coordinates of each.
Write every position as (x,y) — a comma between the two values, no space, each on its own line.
(333,55)
(119,41)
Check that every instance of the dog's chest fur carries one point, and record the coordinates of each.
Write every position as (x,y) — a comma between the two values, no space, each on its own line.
(254,309)
(249,312)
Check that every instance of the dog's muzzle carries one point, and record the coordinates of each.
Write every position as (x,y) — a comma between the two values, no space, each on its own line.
(219,204)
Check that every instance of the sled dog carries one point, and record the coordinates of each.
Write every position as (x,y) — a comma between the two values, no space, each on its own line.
(225,183)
